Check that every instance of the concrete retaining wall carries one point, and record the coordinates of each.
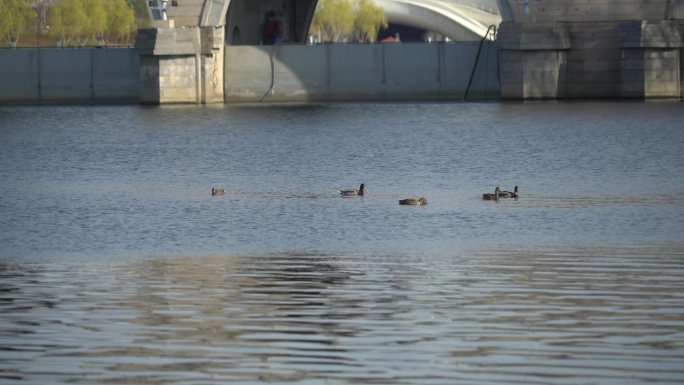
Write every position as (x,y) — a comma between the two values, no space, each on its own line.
(360,72)
(69,76)
(299,73)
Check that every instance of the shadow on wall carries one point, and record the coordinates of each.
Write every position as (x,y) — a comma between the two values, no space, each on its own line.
(237,36)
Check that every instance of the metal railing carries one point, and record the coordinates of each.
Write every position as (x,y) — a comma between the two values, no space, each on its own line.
(477,58)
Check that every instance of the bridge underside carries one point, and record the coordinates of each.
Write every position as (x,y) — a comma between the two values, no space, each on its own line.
(245,19)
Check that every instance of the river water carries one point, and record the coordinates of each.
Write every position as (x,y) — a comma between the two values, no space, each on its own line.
(118,266)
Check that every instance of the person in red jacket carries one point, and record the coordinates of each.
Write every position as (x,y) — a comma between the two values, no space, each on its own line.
(273,29)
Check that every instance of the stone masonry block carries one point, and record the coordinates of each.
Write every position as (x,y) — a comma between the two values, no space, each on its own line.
(661,76)
(632,76)
(641,33)
(602,90)
(633,88)
(575,77)
(661,65)
(632,53)
(540,90)
(661,89)
(574,90)
(510,66)
(512,76)
(177,82)
(601,65)
(177,95)
(594,29)
(575,66)
(174,70)
(168,41)
(541,65)
(540,56)
(547,10)
(609,54)
(633,64)
(533,36)
(512,55)
(534,77)
(594,54)
(512,92)
(602,77)
(661,54)
(149,82)
(594,43)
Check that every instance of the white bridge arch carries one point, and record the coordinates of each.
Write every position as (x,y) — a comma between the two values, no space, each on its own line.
(454,20)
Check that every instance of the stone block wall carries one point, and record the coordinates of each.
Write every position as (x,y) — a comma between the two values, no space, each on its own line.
(533,36)
(614,59)
(149,80)
(582,11)
(650,73)
(177,79)
(533,74)
(594,61)
(650,65)
(212,78)
(681,56)
(599,58)
(181,65)
(187,13)
(533,60)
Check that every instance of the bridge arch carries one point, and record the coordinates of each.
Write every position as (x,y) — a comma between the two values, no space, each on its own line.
(447,18)
(455,21)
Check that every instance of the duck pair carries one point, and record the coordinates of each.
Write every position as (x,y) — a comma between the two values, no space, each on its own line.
(501,194)
(217,191)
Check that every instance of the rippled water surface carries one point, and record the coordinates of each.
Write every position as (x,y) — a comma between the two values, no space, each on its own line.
(118,266)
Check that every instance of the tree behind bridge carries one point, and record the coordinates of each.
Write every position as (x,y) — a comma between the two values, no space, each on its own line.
(68,20)
(369,18)
(15,17)
(333,18)
(120,19)
(361,19)
(83,20)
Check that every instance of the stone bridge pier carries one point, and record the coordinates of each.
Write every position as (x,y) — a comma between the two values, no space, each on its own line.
(581,49)
(182,55)
(181,65)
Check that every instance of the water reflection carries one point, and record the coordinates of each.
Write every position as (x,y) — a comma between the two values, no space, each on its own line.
(543,315)
(120,267)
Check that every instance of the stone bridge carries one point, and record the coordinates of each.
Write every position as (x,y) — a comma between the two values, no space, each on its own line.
(547,48)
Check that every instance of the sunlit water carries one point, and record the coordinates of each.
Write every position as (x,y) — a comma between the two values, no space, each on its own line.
(118,266)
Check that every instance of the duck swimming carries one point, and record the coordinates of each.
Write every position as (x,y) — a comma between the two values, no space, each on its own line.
(508,194)
(353,193)
(217,191)
(412,201)
(490,197)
